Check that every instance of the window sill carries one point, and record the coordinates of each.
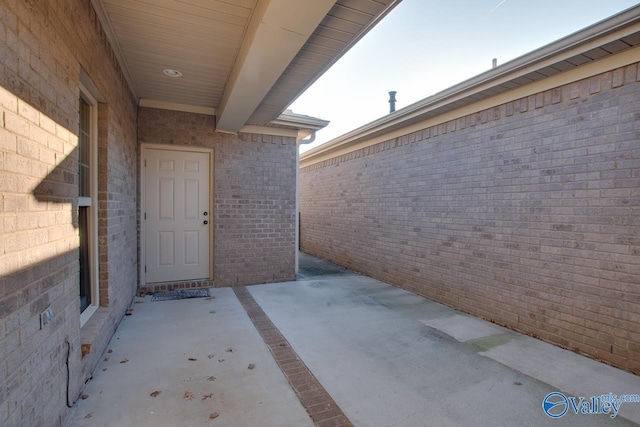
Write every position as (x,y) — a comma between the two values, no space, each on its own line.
(86,314)
(92,331)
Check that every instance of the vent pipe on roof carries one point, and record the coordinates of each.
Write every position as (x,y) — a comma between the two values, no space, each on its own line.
(392,101)
(494,63)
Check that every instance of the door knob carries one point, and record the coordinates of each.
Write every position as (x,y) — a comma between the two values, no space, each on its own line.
(205,214)
(206,222)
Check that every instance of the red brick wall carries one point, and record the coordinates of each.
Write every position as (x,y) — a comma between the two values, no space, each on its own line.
(527,214)
(254,195)
(43,47)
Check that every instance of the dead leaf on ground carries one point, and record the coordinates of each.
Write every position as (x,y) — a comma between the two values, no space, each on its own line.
(210,298)
(192,359)
(84,397)
(155,393)
(104,369)
(207,396)
(211,378)
(187,395)
(89,415)
(106,359)
(138,302)
(251,366)
(109,351)
(125,360)
(220,360)
(212,312)
(230,350)
(517,383)
(211,356)
(213,416)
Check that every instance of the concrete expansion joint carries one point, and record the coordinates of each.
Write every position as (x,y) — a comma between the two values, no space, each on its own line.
(320,406)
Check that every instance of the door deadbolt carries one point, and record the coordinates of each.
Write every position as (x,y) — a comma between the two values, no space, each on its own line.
(206,222)
(206,213)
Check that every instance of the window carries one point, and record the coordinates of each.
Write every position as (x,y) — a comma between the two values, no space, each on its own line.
(87,205)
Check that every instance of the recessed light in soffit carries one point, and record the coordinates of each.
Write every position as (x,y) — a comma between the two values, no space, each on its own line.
(172,73)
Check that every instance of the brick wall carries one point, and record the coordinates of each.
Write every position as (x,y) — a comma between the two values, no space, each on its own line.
(527,214)
(43,47)
(254,195)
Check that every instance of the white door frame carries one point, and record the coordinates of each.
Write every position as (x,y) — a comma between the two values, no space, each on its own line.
(144,147)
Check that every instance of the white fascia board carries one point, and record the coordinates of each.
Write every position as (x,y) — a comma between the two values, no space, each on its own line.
(299,121)
(264,130)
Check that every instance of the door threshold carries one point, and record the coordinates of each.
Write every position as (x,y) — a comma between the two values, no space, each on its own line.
(169,286)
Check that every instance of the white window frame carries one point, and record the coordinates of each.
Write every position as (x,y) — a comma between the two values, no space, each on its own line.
(92,203)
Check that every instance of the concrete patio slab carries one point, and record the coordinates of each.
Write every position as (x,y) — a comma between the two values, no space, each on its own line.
(391,358)
(386,357)
(158,343)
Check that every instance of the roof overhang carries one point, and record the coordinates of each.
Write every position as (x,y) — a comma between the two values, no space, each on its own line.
(245,61)
(277,31)
(608,44)
(299,121)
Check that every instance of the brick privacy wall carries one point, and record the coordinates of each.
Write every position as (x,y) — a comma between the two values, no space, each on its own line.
(527,214)
(43,45)
(254,195)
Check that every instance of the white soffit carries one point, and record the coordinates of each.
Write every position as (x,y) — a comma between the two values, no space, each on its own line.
(247,60)
(199,38)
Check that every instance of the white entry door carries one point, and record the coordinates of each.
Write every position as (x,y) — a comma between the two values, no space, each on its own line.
(177,219)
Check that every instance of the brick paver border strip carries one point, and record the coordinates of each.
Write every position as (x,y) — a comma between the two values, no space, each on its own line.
(321,407)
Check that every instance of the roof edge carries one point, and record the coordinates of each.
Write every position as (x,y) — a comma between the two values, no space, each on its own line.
(299,121)
(582,40)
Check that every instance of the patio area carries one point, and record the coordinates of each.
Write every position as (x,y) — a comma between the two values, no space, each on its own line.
(379,356)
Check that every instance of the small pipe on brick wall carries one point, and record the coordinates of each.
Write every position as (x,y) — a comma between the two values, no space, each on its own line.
(312,138)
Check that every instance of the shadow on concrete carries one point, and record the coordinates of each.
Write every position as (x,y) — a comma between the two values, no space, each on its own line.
(310,268)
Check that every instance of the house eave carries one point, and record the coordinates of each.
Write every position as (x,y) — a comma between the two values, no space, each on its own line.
(299,121)
(624,26)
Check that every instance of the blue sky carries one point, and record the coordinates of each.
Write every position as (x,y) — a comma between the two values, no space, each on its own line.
(425,46)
